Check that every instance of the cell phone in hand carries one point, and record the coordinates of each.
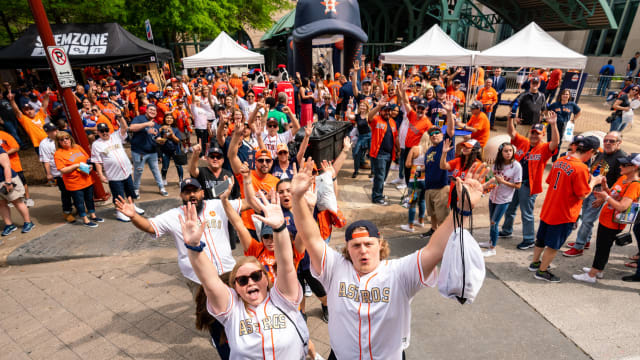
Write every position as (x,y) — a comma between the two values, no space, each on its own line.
(221,187)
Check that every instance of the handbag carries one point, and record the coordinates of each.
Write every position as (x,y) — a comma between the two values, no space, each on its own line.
(180,157)
(610,118)
(624,238)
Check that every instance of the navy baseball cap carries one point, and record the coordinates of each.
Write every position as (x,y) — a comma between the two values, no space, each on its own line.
(102,127)
(215,150)
(372,230)
(539,128)
(190,182)
(535,80)
(457,81)
(577,139)
(366,80)
(422,104)
(49,127)
(633,159)
(439,88)
(589,143)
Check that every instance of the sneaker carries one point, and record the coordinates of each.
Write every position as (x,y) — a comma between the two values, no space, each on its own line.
(525,245)
(137,192)
(97,219)
(631,278)
(504,234)
(325,314)
(164,192)
(573,244)
(90,224)
(417,223)
(69,218)
(534,266)
(138,210)
(428,233)
(407,228)
(318,357)
(122,217)
(29,202)
(8,229)
(485,244)
(572,252)
(354,175)
(307,290)
(546,276)
(489,252)
(599,275)
(397,181)
(584,277)
(401,186)
(164,182)
(381,202)
(394,166)
(26,227)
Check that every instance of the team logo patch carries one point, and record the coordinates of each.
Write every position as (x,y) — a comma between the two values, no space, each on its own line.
(330,6)
(212,213)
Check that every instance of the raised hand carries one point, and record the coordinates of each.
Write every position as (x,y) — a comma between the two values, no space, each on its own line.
(356,65)
(191,227)
(346,144)
(552,117)
(308,129)
(126,207)
(446,146)
(302,179)
(473,184)
(272,210)
(225,194)
(326,166)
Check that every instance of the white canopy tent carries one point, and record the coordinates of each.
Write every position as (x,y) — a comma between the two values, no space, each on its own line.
(432,48)
(531,47)
(223,51)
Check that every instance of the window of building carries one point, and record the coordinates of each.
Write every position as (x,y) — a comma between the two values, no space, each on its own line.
(611,42)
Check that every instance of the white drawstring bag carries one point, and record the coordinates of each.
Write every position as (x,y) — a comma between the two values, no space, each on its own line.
(568,132)
(326,193)
(462,270)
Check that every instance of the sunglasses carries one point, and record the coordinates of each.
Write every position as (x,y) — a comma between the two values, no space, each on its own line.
(262,161)
(283,153)
(103,131)
(272,125)
(627,164)
(215,156)
(434,133)
(609,141)
(267,236)
(244,280)
(94,110)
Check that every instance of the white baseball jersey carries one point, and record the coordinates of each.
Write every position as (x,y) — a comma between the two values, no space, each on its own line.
(216,235)
(47,149)
(271,142)
(370,316)
(116,165)
(264,332)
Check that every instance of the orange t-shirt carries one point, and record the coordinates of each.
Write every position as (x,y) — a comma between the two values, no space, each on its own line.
(487,97)
(33,127)
(106,120)
(478,77)
(536,160)
(457,93)
(417,127)
(265,185)
(109,110)
(481,123)
(75,180)
(568,181)
(268,258)
(8,143)
(151,87)
(619,190)
(237,84)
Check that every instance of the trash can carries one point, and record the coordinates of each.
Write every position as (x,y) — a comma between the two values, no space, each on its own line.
(326,139)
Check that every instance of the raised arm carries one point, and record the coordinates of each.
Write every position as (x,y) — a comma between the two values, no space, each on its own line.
(511,127)
(451,119)
(339,161)
(552,119)
(123,123)
(218,294)
(287,282)
(45,100)
(193,160)
(14,106)
(354,77)
(128,209)
(295,124)
(220,130)
(236,138)
(431,254)
(446,147)
(308,130)
(235,219)
(372,113)
(306,225)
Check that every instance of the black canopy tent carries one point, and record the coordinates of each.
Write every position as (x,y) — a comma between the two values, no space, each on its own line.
(85,44)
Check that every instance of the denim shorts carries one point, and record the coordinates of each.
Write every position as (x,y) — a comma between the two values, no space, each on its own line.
(553,236)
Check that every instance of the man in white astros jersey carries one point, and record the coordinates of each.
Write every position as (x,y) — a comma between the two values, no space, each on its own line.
(369,297)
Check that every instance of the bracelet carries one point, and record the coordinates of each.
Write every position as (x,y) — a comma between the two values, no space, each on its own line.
(607,198)
(196,248)
(280,228)
(463,213)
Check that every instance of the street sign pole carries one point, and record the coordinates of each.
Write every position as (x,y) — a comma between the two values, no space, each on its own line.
(68,100)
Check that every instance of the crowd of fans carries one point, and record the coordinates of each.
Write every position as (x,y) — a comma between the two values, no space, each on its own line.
(243,142)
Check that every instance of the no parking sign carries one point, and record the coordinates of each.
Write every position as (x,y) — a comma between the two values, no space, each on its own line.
(60,63)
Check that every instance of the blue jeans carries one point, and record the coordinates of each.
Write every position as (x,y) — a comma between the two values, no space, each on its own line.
(589,217)
(380,168)
(616,125)
(526,202)
(84,197)
(496,211)
(603,85)
(122,188)
(418,198)
(166,160)
(360,150)
(138,167)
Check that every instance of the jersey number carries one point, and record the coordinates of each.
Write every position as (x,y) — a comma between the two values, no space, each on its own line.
(555,186)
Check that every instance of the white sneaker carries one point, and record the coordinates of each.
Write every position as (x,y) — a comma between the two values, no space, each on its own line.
(318,357)
(164,192)
(122,217)
(394,166)
(489,252)
(485,244)
(599,275)
(585,278)
(307,290)
(164,182)
(29,202)
(137,192)
(396,181)
(417,223)
(407,228)
(401,186)
(138,210)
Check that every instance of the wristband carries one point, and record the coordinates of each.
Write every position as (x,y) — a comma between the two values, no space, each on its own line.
(196,248)
(280,228)
(463,213)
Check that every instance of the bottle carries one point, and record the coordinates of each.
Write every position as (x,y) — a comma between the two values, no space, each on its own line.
(514,108)
(596,172)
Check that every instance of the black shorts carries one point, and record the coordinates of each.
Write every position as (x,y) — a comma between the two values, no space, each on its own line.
(314,284)
(553,236)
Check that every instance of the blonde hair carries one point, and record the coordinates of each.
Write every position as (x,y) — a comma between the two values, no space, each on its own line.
(425,140)
(384,247)
(63,134)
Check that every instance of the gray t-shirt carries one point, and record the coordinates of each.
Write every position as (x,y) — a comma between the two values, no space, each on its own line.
(512,173)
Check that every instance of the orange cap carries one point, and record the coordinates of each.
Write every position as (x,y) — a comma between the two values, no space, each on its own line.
(262,153)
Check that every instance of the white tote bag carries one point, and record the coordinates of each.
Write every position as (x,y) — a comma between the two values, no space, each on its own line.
(567,136)
(462,270)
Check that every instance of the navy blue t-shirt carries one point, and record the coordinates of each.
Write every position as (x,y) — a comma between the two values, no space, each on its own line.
(437,178)
(169,146)
(387,140)
(142,142)
(345,93)
(277,171)
(432,111)
(325,112)
(564,111)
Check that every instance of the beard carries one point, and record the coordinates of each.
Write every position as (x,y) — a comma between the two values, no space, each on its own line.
(199,204)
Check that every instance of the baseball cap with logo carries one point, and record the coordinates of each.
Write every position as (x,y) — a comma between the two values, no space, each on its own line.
(535,80)
(633,159)
(577,139)
(589,143)
(439,89)
(281,147)
(215,150)
(104,95)
(371,230)
(266,230)
(102,127)
(263,153)
(476,105)
(539,128)
(471,143)
(49,127)
(422,104)
(313,18)
(190,182)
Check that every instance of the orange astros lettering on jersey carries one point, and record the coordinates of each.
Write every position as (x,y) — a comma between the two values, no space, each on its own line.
(375,295)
